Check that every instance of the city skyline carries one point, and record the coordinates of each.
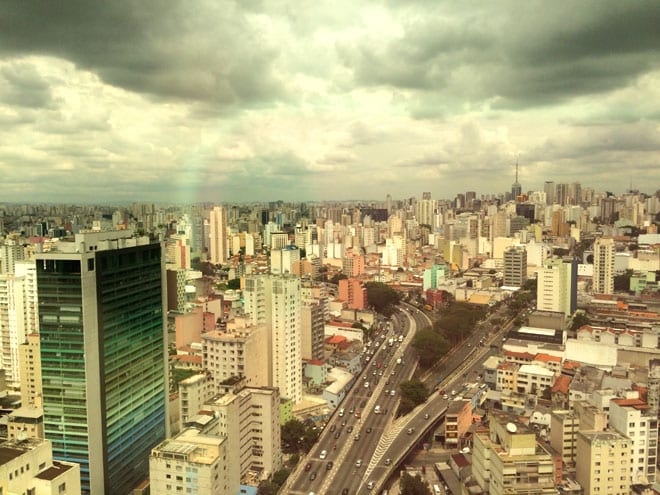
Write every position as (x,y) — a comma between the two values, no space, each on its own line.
(225,102)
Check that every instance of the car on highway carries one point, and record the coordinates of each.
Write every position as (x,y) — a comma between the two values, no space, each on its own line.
(323,454)
(445,396)
(410,431)
(358,463)
(337,434)
(388,461)
(426,416)
(366,385)
(332,428)
(329,465)
(350,429)
(370,485)
(392,392)
(369,430)
(357,437)
(344,491)
(312,476)
(308,466)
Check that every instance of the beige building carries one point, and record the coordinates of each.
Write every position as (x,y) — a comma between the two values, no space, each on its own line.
(603,279)
(312,328)
(25,422)
(603,463)
(240,352)
(219,243)
(194,391)
(192,463)
(564,427)
(30,370)
(508,460)
(27,467)
(250,421)
(275,301)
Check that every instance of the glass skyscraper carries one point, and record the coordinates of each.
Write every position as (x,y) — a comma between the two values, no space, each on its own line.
(103,355)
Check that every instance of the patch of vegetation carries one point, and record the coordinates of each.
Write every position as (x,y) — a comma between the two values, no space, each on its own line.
(410,485)
(382,297)
(413,393)
(430,346)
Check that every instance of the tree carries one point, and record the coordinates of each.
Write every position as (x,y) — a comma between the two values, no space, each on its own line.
(430,346)
(580,319)
(413,485)
(292,436)
(280,476)
(382,297)
(413,393)
(234,283)
(336,278)
(622,281)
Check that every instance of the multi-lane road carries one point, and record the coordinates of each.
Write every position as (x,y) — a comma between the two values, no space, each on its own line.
(337,463)
(363,442)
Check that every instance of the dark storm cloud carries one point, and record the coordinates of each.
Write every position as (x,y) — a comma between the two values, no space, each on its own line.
(512,54)
(169,48)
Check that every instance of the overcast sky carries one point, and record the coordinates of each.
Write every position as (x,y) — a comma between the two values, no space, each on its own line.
(191,100)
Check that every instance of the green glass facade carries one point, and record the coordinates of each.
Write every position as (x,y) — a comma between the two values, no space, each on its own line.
(103,355)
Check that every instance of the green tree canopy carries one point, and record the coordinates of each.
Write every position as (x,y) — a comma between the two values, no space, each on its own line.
(382,297)
(430,346)
(413,485)
(413,393)
(580,318)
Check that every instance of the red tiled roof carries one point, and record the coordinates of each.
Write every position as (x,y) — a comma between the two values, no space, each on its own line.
(546,357)
(571,365)
(188,359)
(561,384)
(335,339)
(522,355)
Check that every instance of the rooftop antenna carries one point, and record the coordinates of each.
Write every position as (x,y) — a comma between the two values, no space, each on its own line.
(516,168)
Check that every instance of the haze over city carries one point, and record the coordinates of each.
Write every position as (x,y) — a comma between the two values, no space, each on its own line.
(236,101)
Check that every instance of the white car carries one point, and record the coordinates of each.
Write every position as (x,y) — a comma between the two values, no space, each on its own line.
(366,385)
(323,455)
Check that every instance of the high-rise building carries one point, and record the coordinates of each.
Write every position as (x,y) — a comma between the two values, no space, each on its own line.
(634,419)
(219,246)
(550,189)
(250,421)
(312,323)
(275,301)
(603,278)
(515,266)
(557,286)
(30,371)
(103,355)
(603,462)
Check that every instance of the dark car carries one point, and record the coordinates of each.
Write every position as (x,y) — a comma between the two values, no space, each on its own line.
(337,434)
(329,465)
(350,429)
(344,491)
(308,466)
(332,428)
(369,430)
(312,476)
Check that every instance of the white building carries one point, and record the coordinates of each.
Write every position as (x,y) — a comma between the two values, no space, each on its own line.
(603,279)
(192,463)
(250,421)
(634,419)
(275,301)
